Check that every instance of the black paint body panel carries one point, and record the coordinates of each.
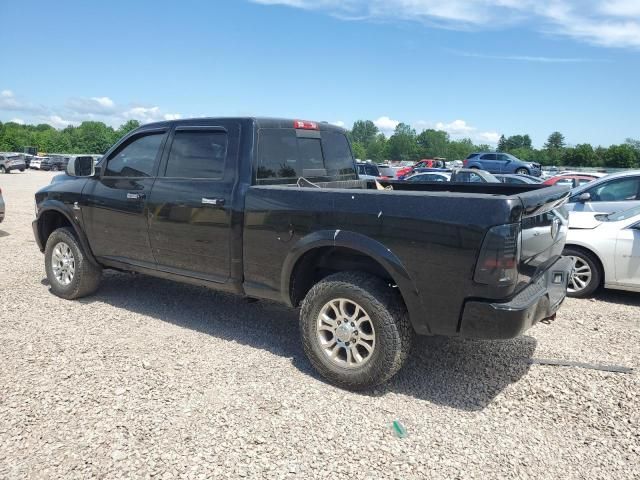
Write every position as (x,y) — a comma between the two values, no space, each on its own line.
(427,237)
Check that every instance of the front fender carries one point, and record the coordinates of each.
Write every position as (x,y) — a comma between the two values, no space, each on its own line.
(62,208)
(366,246)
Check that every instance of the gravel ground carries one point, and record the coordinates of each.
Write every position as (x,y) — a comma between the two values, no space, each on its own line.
(149,378)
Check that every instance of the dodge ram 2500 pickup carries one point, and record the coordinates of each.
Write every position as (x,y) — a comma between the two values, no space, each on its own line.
(274,209)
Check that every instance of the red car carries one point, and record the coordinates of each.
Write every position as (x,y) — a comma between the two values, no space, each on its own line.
(424,163)
(573,180)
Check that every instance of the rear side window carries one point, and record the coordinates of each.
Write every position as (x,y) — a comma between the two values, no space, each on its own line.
(473,155)
(283,157)
(197,154)
(136,158)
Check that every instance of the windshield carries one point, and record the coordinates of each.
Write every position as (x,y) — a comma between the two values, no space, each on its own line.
(624,215)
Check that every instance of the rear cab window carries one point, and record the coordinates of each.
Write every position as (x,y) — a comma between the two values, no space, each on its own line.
(284,155)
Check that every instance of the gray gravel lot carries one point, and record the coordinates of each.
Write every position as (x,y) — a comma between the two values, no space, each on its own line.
(149,378)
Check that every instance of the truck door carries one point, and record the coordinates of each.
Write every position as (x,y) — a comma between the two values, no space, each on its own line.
(190,204)
(114,204)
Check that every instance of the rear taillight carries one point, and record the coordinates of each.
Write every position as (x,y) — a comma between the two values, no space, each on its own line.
(305,125)
(465,162)
(498,260)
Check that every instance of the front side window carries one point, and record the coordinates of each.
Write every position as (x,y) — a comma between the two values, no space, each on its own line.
(616,190)
(136,158)
(197,154)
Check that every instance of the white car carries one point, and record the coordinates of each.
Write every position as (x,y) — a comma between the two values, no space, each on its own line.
(36,163)
(605,249)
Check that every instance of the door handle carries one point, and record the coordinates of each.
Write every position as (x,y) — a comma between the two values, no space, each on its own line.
(218,202)
(135,196)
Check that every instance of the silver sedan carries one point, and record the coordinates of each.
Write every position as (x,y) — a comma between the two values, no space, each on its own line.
(605,249)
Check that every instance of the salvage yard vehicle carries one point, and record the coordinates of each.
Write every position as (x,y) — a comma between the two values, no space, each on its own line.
(274,209)
(9,162)
(496,162)
(612,193)
(605,250)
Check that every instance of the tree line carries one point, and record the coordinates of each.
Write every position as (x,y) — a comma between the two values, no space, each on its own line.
(88,137)
(367,141)
(408,145)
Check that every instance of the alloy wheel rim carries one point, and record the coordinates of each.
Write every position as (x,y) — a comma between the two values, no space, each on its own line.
(63,263)
(346,333)
(580,275)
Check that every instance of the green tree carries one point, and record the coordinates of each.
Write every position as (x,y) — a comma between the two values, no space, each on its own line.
(378,149)
(402,144)
(502,144)
(460,149)
(432,143)
(125,128)
(359,151)
(620,156)
(580,156)
(364,132)
(555,141)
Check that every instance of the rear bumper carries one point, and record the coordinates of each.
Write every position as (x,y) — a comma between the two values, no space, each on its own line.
(538,301)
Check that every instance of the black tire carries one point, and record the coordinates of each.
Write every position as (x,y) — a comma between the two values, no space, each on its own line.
(54,168)
(589,259)
(86,278)
(388,315)
(22,170)
(3,169)
(522,171)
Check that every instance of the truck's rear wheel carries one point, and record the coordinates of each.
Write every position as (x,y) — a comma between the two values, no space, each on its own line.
(69,272)
(355,330)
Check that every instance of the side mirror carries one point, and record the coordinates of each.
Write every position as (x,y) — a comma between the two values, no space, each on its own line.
(81,167)
(584,197)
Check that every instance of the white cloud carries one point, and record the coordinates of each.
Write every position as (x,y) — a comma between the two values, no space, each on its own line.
(610,23)
(460,129)
(9,101)
(17,120)
(79,109)
(93,105)
(57,121)
(457,127)
(386,125)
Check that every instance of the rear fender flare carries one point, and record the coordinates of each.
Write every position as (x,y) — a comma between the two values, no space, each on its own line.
(366,246)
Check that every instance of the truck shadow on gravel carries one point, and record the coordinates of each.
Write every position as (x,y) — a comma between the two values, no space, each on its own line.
(462,374)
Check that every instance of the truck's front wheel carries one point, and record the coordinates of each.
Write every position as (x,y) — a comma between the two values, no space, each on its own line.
(69,272)
(355,330)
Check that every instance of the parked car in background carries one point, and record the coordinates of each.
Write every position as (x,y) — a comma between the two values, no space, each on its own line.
(424,163)
(429,177)
(367,170)
(613,193)
(1,206)
(605,250)
(519,179)
(36,162)
(472,175)
(573,180)
(55,163)
(495,162)
(386,171)
(10,162)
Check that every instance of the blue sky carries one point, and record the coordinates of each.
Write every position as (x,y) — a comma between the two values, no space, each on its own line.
(476,68)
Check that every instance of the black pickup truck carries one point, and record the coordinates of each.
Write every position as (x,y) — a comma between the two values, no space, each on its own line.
(274,209)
